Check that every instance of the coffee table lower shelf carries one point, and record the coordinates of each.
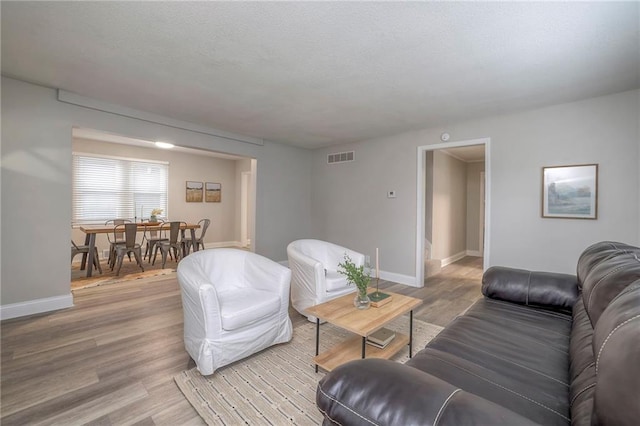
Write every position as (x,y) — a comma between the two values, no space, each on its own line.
(351,349)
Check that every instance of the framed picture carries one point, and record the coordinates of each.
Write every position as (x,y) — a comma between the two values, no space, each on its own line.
(213,192)
(570,192)
(194,192)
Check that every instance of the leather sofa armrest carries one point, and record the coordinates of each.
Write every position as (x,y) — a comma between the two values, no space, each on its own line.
(382,392)
(545,289)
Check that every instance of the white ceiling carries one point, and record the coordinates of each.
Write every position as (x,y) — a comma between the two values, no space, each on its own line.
(314,74)
(468,154)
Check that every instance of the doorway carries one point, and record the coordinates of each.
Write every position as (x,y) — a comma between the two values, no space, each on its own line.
(233,174)
(453,204)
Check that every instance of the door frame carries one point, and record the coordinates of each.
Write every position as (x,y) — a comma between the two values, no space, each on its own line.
(420,197)
(244,208)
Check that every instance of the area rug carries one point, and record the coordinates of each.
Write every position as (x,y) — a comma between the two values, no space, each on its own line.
(278,385)
(127,273)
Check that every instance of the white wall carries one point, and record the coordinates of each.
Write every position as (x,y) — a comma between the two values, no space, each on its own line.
(473,205)
(349,205)
(36,187)
(449,206)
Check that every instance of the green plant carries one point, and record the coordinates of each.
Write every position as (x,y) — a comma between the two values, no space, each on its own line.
(358,275)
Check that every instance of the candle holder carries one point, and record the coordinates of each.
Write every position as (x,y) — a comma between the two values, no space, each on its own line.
(377,295)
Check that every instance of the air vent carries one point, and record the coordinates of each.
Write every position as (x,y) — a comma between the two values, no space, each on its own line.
(341,157)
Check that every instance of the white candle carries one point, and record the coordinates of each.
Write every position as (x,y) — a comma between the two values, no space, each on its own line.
(377,264)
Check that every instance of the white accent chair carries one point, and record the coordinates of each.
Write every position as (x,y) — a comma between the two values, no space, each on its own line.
(314,272)
(235,304)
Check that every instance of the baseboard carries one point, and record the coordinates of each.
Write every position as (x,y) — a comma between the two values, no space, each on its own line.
(37,306)
(475,253)
(397,278)
(221,244)
(449,260)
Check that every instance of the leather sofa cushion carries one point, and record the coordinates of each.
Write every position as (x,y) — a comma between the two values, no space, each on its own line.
(582,370)
(544,289)
(606,280)
(616,346)
(598,253)
(242,307)
(512,355)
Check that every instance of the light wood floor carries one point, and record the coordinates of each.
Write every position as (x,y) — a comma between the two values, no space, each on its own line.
(111,358)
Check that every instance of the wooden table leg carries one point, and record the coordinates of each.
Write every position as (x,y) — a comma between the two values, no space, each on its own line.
(83,264)
(92,249)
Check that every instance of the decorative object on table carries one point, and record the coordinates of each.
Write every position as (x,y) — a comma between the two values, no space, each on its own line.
(381,338)
(378,298)
(213,192)
(570,192)
(194,192)
(154,215)
(356,275)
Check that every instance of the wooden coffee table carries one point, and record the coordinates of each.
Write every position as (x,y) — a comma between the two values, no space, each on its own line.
(342,313)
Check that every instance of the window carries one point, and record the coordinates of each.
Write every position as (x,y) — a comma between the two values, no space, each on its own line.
(109,187)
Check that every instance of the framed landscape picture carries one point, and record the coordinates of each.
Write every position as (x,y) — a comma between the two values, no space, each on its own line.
(570,192)
(213,192)
(194,192)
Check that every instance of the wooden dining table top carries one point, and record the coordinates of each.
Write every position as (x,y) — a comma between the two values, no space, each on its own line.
(105,229)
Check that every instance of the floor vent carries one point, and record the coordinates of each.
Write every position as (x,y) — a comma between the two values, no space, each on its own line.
(341,157)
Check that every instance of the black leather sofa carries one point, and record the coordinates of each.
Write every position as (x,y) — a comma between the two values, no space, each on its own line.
(539,348)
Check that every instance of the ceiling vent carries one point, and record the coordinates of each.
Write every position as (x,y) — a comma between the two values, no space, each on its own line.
(341,157)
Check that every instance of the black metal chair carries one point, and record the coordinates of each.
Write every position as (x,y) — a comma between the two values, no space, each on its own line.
(76,250)
(204,224)
(130,231)
(176,242)
(115,239)
(151,237)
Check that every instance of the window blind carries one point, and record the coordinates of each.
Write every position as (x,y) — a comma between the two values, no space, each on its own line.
(107,188)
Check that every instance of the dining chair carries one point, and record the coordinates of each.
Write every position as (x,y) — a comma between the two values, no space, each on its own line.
(130,231)
(204,224)
(76,250)
(176,242)
(151,237)
(115,239)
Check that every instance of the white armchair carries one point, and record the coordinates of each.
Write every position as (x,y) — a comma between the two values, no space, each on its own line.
(235,304)
(314,272)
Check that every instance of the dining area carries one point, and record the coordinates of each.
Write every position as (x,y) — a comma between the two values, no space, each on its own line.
(137,211)
(131,240)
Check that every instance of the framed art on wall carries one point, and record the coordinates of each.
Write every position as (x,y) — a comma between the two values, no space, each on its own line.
(194,192)
(213,192)
(570,192)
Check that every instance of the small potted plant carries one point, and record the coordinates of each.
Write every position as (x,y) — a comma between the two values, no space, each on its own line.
(154,215)
(358,275)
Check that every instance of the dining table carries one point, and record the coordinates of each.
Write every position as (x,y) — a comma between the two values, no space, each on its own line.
(92,230)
